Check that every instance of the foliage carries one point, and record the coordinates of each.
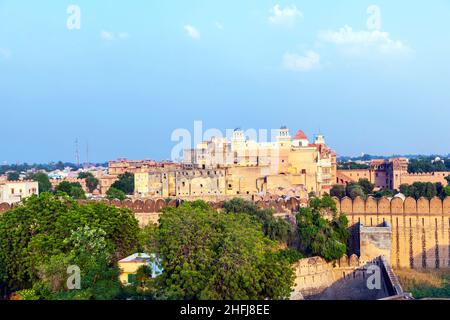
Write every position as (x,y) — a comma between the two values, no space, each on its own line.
(354,190)
(448,180)
(43,181)
(275,229)
(384,193)
(92,183)
(85,175)
(114,193)
(211,255)
(33,236)
(320,236)
(72,189)
(427,165)
(352,166)
(125,183)
(13,176)
(423,189)
(366,186)
(338,190)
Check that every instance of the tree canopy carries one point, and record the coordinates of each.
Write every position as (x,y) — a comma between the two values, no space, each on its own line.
(43,232)
(125,183)
(211,255)
(72,189)
(322,231)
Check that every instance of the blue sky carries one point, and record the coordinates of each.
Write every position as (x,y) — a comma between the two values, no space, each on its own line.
(135,72)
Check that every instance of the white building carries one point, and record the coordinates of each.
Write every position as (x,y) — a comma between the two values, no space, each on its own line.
(15,191)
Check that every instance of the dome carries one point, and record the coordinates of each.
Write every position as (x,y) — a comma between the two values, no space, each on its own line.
(300,135)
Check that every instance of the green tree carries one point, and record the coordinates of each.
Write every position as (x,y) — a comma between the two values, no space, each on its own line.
(13,176)
(43,181)
(114,193)
(125,183)
(211,255)
(447,191)
(85,175)
(338,190)
(448,180)
(274,228)
(73,189)
(366,185)
(354,190)
(322,231)
(92,183)
(46,221)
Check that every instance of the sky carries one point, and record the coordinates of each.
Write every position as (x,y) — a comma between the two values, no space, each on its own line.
(372,76)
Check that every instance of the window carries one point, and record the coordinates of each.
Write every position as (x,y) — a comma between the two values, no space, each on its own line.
(131,278)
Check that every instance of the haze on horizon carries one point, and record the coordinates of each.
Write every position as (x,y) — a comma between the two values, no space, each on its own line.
(133,73)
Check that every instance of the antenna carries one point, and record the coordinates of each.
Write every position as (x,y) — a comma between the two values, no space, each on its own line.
(77,153)
(87,153)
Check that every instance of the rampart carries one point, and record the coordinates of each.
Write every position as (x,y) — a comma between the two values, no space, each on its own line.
(420,229)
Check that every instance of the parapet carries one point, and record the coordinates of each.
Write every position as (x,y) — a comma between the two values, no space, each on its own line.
(395,205)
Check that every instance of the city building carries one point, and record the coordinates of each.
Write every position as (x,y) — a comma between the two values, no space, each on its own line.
(241,166)
(15,191)
(390,174)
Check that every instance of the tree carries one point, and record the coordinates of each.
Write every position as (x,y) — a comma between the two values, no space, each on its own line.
(85,175)
(355,190)
(13,176)
(338,191)
(114,194)
(92,183)
(125,183)
(72,189)
(274,228)
(210,255)
(384,193)
(366,186)
(448,180)
(447,191)
(46,222)
(319,236)
(42,179)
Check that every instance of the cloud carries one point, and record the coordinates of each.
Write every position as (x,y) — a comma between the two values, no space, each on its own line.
(110,36)
(284,16)
(192,32)
(295,62)
(5,54)
(365,41)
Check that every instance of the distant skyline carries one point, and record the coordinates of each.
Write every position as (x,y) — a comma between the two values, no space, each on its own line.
(135,72)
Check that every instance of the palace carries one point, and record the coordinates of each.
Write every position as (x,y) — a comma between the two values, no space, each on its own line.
(240,166)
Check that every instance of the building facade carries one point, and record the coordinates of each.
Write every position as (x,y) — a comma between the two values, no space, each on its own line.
(241,166)
(15,191)
(390,174)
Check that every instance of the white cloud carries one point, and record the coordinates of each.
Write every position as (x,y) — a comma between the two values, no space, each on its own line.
(365,41)
(4,53)
(109,36)
(284,16)
(192,32)
(295,62)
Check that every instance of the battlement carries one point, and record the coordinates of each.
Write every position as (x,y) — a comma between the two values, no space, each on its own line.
(394,206)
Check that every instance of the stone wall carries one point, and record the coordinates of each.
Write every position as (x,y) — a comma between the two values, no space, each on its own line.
(420,229)
(315,279)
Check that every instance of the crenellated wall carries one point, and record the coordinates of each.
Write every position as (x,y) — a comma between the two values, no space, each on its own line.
(420,228)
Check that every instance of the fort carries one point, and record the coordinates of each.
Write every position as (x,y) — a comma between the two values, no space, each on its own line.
(419,229)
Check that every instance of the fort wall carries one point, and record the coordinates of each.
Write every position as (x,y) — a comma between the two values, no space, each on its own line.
(420,229)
